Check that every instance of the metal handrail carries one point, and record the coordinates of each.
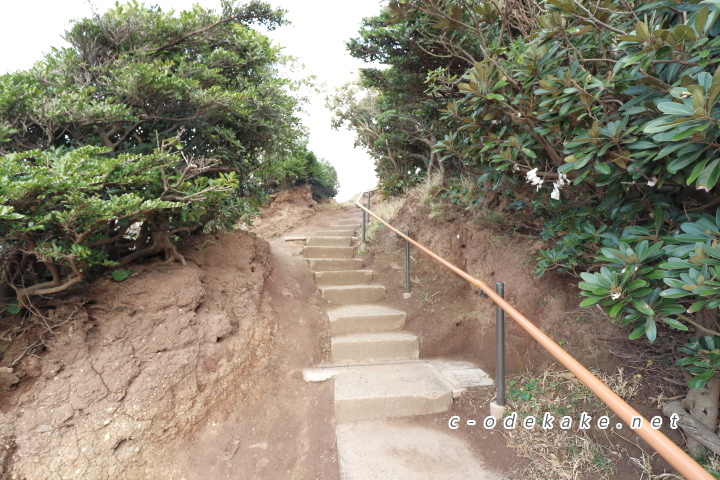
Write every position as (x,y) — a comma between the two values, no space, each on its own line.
(672,453)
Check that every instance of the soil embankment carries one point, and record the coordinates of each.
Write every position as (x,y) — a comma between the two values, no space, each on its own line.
(447,312)
(178,372)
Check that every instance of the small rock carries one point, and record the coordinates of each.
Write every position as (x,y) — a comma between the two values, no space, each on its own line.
(7,378)
(43,429)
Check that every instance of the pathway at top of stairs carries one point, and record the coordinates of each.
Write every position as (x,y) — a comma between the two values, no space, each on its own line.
(379,375)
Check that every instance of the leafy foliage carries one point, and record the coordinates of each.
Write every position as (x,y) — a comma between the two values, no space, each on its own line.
(149,125)
(610,110)
(301,167)
(120,275)
(704,359)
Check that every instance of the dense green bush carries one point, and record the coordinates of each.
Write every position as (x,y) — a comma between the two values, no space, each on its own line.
(67,211)
(301,167)
(609,110)
(149,125)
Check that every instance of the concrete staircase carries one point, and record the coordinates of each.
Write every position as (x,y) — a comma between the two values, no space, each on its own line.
(378,372)
(387,379)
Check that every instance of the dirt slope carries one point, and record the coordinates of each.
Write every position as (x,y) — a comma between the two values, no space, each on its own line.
(178,372)
(287,209)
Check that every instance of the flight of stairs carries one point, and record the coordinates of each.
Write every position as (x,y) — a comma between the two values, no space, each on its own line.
(379,376)
(385,377)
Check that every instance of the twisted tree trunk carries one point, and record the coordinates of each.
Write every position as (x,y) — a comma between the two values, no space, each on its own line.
(158,226)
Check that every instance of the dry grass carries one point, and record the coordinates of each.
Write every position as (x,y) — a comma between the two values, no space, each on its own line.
(424,191)
(558,454)
(624,384)
(387,209)
(572,454)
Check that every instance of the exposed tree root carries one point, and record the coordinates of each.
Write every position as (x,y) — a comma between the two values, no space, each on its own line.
(160,236)
(698,434)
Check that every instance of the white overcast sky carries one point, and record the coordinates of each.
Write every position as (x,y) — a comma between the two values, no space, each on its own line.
(316,37)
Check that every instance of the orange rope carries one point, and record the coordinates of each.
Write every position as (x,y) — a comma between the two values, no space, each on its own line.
(673,454)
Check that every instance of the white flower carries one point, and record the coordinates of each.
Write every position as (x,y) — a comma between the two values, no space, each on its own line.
(615,296)
(652,182)
(534,179)
(555,195)
(558,184)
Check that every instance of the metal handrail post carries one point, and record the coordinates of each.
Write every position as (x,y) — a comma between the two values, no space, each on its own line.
(407,263)
(364,223)
(369,220)
(500,345)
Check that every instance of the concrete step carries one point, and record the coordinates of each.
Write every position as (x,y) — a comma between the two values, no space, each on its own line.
(365,318)
(335,233)
(384,391)
(328,252)
(400,449)
(329,241)
(354,226)
(334,264)
(374,347)
(343,277)
(352,294)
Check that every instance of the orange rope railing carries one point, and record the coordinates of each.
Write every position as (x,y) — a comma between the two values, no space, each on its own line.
(672,453)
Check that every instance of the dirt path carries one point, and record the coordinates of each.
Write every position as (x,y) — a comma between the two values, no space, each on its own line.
(180,372)
(286,430)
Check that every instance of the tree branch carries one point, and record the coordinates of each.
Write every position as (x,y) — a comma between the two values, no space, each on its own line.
(597,22)
(111,240)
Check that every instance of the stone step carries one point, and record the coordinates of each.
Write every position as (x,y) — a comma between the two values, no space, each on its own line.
(328,252)
(343,277)
(352,294)
(329,241)
(385,391)
(334,264)
(374,347)
(335,233)
(365,318)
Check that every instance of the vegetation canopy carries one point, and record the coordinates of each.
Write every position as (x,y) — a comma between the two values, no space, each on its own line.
(600,119)
(149,125)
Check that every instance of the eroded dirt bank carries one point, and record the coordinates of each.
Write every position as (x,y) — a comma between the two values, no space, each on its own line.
(178,372)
